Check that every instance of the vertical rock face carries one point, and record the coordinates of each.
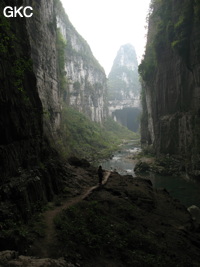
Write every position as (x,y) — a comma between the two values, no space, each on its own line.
(20,107)
(86,89)
(86,81)
(170,71)
(41,28)
(30,97)
(124,87)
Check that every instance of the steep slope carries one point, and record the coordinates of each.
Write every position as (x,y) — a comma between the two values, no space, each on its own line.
(124,88)
(42,33)
(85,139)
(31,92)
(123,77)
(30,108)
(171,88)
(30,170)
(85,87)
(65,68)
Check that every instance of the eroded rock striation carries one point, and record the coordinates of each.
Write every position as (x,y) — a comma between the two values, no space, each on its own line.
(31,91)
(20,106)
(171,82)
(42,36)
(86,87)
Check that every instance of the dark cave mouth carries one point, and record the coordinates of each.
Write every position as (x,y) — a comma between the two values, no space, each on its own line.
(128,117)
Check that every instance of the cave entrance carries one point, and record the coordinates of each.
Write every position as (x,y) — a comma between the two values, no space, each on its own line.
(128,117)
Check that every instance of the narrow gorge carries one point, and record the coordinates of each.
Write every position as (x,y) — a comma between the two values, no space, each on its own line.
(60,115)
(171,81)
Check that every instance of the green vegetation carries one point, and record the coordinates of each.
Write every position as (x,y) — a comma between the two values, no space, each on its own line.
(90,140)
(170,31)
(119,132)
(61,46)
(197,10)
(97,228)
(148,65)
(85,52)
(80,136)
(182,30)
(16,234)
(20,67)
(6,35)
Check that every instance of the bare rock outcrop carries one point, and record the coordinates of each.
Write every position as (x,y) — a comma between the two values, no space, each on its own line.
(171,91)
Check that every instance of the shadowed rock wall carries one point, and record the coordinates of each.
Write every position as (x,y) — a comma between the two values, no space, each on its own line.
(20,107)
(41,29)
(171,89)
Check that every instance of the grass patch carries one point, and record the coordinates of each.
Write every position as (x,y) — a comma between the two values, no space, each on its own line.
(86,139)
(18,235)
(89,230)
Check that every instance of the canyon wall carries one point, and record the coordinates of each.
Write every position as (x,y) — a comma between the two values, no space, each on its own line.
(86,86)
(42,33)
(20,106)
(31,99)
(171,82)
(31,92)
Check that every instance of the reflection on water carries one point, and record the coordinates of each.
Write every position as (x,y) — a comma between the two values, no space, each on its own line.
(185,189)
(182,188)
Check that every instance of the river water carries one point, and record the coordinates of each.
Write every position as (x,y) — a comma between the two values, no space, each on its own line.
(182,188)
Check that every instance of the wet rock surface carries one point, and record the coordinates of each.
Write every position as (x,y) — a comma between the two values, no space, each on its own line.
(162,165)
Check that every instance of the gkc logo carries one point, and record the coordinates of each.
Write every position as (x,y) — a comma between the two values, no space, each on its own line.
(13,12)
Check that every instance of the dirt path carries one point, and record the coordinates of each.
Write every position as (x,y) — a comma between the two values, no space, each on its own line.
(42,248)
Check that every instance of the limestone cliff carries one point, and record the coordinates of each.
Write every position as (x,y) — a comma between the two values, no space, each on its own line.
(86,80)
(31,93)
(30,102)
(124,88)
(41,29)
(20,106)
(28,172)
(171,89)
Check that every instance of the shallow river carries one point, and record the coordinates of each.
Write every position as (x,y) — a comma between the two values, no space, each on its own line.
(185,189)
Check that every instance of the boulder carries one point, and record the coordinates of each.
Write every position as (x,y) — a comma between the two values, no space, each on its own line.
(141,167)
(74,161)
(195,212)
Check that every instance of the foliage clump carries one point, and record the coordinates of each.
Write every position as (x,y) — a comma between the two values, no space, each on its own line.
(61,46)
(169,28)
(90,140)
(20,67)
(7,37)
(90,226)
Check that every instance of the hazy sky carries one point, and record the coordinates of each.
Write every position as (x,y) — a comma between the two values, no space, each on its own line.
(108,24)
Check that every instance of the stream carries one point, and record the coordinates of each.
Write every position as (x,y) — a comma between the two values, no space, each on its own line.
(185,189)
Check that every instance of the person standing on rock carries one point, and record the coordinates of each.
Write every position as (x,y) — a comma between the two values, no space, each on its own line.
(100,175)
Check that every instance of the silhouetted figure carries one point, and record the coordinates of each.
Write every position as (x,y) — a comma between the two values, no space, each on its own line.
(100,174)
